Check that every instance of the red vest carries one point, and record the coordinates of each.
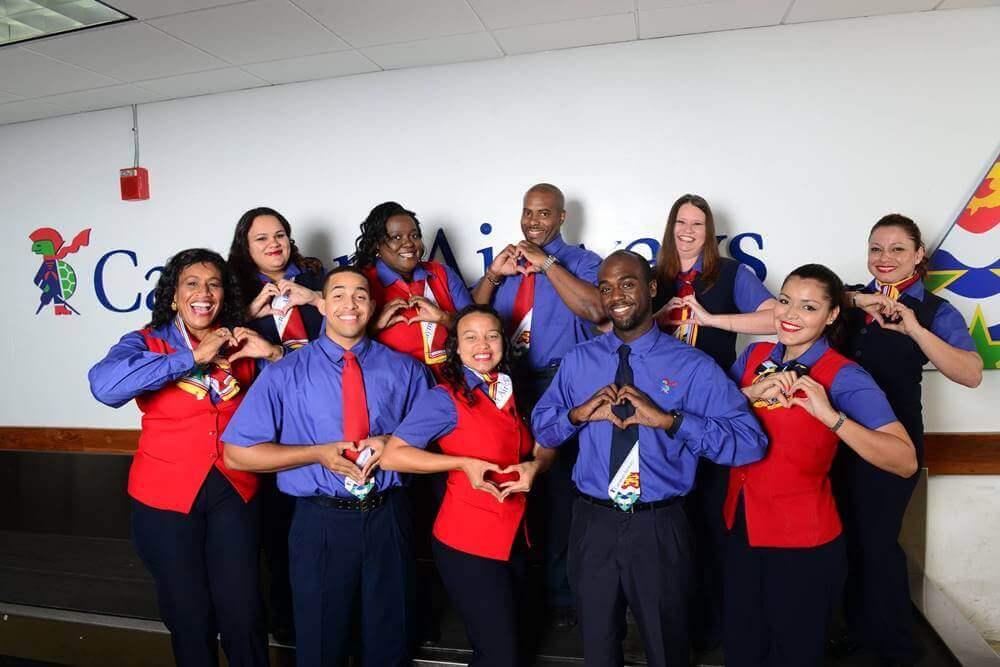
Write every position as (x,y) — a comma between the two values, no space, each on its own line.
(408,338)
(470,520)
(786,495)
(179,442)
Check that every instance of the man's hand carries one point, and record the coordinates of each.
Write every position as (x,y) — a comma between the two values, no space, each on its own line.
(597,407)
(331,456)
(646,413)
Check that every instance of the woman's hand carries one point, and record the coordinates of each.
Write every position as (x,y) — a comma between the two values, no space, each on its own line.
(776,386)
(878,305)
(696,313)
(815,401)
(902,319)
(475,470)
(299,295)
(391,314)
(377,445)
(210,346)
(526,471)
(250,344)
(427,311)
(261,305)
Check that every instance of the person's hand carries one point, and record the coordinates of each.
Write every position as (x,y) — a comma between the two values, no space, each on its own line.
(531,253)
(526,472)
(261,304)
(211,345)
(696,313)
(597,407)
(813,400)
(250,344)
(878,305)
(298,295)
(475,470)
(392,313)
(773,387)
(427,311)
(902,319)
(505,263)
(331,456)
(377,445)
(647,413)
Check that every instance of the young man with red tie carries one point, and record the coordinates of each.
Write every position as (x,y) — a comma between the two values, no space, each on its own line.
(544,289)
(320,418)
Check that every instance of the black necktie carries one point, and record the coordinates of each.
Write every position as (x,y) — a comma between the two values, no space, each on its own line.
(622,439)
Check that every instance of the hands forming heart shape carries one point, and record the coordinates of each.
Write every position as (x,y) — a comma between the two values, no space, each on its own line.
(396,310)
(599,408)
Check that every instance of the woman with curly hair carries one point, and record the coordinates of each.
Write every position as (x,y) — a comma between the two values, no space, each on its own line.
(415,299)
(194,521)
(491,459)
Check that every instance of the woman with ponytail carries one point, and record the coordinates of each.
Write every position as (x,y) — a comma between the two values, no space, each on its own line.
(785,556)
(895,326)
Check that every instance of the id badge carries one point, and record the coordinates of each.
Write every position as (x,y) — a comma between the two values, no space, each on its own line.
(359,491)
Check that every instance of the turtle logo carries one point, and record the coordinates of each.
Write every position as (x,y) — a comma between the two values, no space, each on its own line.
(56,278)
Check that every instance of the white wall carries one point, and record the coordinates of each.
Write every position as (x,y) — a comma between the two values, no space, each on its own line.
(805,134)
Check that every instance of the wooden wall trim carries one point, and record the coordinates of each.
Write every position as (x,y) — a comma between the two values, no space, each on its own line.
(946,453)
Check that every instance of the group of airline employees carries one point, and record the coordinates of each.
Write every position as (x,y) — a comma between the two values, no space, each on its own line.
(726,500)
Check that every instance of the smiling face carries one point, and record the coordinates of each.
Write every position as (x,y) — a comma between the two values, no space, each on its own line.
(270,246)
(892,254)
(625,293)
(199,296)
(689,231)
(803,311)
(402,247)
(480,342)
(541,217)
(348,307)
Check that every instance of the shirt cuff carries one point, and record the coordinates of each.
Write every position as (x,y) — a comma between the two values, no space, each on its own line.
(181,362)
(560,432)
(692,428)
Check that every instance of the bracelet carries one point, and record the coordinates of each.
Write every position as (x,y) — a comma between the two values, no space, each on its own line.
(840,422)
(495,283)
(547,264)
(854,300)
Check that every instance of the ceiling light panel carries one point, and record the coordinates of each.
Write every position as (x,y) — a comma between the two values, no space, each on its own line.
(21,20)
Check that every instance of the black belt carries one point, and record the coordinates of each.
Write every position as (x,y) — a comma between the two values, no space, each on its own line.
(371,502)
(636,506)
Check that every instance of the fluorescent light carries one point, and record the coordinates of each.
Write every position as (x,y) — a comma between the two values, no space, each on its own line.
(29,19)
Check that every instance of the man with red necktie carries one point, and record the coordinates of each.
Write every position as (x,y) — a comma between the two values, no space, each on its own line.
(321,419)
(544,289)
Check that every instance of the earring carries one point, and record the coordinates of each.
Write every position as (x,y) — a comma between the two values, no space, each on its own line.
(173,305)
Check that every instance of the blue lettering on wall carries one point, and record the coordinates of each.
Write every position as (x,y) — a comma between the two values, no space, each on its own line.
(102,295)
(150,298)
(736,252)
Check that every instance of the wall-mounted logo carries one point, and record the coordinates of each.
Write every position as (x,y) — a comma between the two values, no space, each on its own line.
(56,278)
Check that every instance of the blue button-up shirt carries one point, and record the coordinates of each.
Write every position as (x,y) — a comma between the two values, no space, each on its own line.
(948,323)
(853,391)
(291,271)
(130,369)
(554,327)
(717,424)
(456,288)
(298,401)
(435,415)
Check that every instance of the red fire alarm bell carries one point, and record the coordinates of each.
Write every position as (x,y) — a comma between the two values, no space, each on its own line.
(135,183)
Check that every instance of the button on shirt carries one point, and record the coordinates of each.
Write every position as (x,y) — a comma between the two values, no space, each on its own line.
(554,327)
(435,415)
(456,288)
(297,401)
(717,424)
(948,323)
(853,391)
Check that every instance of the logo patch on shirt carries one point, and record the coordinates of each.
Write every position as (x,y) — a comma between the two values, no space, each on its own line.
(666,384)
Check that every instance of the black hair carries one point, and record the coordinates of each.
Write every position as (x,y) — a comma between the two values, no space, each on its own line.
(231,311)
(549,189)
(909,228)
(648,275)
(373,232)
(243,265)
(337,270)
(452,367)
(836,331)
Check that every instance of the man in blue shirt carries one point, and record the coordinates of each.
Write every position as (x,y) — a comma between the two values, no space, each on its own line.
(308,417)
(543,288)
(645,406)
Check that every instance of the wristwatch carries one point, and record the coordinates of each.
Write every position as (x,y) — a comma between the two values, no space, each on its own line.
(840,421)
(676,425)
(547,264)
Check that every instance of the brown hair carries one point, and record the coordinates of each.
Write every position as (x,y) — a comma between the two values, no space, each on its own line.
(668,264)
(911,230)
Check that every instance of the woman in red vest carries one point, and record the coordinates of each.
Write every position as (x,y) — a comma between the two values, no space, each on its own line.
(491,460)
(194,521)
(415,299)
(785,557)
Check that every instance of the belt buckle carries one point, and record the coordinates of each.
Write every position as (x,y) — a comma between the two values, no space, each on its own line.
(366,504)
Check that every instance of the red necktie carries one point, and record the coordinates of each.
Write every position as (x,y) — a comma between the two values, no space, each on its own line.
(686,288)
(524,301)
(355,405)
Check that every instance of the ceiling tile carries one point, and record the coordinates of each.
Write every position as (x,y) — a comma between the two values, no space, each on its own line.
(321,66)
(459,48)
(147,9)
(129,51)
(104,98)
(7,97)
(202,83)
(374,22)
(959,4)
(15,112)
(562,35)
(29,74)
(660,4)
(825,10)
(724,15)
(510,13)
(252,31)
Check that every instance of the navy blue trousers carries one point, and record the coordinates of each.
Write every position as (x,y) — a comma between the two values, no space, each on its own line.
(206,565)
(779,601)
(704,506)
(353,569)
(641,560)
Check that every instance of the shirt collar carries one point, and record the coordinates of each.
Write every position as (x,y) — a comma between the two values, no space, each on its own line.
(472,378)
(640,346)
(388,276)
(916,290)
(807,358)
(291,271)
(555,246)
(335,352)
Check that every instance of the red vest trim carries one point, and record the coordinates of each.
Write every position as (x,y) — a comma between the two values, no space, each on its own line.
(471,520)
(786,495)
(180,441)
